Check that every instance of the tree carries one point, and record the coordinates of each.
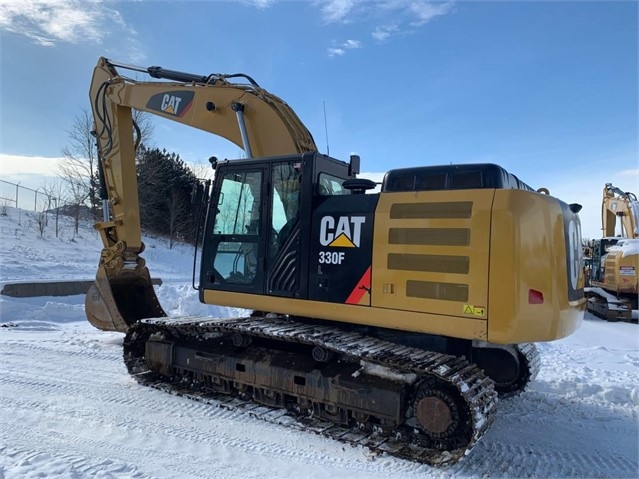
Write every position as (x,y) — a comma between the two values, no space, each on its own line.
(179,211)
(165,184)
(79,167)
(54,191)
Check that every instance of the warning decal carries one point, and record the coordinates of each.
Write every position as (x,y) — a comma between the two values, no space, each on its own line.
(474,310)
(626,270)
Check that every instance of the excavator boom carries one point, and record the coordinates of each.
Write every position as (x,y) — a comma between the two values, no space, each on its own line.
(622,206)
(245,114)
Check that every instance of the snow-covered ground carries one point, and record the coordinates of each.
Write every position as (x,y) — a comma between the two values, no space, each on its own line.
(69,409)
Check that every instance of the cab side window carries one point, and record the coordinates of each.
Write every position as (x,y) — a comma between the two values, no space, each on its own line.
(286,178)
(329,185)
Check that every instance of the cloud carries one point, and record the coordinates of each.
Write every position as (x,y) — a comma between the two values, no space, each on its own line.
(17,164)
(48,22)
(261,4)
(30,171)
(381,33)
(414,12)
(336,11)
(407,15)
(424,11)
(342,48)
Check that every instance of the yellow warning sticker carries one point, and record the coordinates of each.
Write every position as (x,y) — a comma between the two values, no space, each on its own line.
(474,310)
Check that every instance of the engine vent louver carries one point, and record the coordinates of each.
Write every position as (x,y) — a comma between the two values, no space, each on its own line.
(410,226)
(434,210)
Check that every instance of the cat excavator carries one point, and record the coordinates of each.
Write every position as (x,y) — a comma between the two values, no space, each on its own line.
(614,277)
(391,320)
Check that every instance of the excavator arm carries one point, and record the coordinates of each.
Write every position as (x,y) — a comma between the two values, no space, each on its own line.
(258,122)
(623,205)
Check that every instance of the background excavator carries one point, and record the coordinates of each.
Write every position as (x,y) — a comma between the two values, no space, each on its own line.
(391,320)
(614,271)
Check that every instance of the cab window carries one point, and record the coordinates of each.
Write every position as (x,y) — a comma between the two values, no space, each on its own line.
(329,185)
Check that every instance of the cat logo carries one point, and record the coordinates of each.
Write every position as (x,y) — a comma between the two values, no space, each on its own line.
(174,103)
(170,104)
(346,232)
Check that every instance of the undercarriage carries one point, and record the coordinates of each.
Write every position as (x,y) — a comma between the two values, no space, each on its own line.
(609,306)
(415,404)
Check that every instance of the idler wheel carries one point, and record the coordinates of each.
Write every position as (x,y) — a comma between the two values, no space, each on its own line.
(436,411)
(241,340)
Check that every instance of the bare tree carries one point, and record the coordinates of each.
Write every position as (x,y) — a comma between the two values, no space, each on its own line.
(201,170)
(54,191)
(147,129)
(79,167)
(47,187)
(41,222)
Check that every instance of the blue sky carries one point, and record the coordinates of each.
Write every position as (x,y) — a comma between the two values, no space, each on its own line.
(546,89)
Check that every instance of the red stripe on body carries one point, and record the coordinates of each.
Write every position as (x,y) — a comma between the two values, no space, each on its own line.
(362,287)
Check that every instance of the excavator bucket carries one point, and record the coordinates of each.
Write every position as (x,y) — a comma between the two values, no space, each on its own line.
(114,304)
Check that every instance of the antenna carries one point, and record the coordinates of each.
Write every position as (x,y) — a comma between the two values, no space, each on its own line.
(326,131)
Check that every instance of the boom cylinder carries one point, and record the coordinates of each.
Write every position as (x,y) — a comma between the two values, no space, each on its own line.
(238,108)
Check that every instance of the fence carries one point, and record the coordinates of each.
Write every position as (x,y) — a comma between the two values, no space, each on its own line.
(13,194)
(44,206)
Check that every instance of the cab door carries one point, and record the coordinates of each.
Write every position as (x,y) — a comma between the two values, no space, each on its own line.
(234,251)
(287,228)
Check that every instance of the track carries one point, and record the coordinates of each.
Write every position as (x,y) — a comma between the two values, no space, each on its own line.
(475,391)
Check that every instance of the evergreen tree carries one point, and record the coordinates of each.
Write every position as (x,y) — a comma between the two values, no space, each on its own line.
(165,184)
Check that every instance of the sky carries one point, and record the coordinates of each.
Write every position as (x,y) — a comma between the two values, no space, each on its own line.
(548,90)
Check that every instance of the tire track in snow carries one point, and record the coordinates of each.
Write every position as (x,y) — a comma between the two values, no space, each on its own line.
(187,420)
(182,464)
(47,385)
(192,429)
(550,462)
(29,463)
(533,408)
(87,350)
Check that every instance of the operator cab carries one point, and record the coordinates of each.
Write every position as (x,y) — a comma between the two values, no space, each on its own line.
(261,212)
(600,249)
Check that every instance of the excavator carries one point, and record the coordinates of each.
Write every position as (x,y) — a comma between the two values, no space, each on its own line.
(391,320)
(614,277)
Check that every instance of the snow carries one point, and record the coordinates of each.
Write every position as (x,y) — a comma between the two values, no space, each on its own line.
(628,247)
(69,409)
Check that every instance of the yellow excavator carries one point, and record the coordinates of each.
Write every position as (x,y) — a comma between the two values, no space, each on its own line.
(391,320)
(614,276)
